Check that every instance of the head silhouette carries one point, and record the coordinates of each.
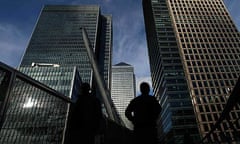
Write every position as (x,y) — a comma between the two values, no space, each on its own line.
(144,88)
(85,88)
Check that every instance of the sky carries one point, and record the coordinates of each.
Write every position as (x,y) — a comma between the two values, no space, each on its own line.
(233,7)
(18,18)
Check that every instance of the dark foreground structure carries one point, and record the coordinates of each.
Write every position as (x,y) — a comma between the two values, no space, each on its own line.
(27,118)
(42,119)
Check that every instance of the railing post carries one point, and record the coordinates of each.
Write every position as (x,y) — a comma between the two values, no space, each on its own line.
(5,92)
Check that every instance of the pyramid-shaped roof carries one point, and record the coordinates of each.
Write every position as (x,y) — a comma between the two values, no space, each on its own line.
(122,64)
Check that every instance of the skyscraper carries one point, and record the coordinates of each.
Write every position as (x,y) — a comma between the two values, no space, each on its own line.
(56,56)
(194,53)
(123,89)
(57,39)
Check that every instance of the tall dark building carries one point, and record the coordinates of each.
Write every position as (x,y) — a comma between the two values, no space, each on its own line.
(57,57)
(194,50)
(57,39)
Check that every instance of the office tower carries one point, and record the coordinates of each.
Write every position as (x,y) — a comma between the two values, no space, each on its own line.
(194,54)
(56,56)
(57,39)
(123,89)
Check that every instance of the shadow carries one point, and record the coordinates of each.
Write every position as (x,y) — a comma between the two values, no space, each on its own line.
(84,119)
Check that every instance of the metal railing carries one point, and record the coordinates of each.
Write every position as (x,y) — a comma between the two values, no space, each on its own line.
(234,125)
(31,112)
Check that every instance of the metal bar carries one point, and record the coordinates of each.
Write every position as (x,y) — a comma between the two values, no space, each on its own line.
(104,93)
(9,85)
(36,83)
(43,87)
(233,100)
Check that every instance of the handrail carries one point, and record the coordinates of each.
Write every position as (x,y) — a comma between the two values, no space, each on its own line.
(52,118)
(233,100)
(35,83)
(103,90)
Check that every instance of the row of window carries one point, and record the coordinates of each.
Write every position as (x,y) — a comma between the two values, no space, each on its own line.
(209,91)
(199,2)
(212,117)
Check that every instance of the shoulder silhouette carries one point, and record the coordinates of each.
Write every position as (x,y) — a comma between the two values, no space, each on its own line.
(143,111)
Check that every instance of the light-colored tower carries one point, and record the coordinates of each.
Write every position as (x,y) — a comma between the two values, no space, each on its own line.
(123,89)
(194,51)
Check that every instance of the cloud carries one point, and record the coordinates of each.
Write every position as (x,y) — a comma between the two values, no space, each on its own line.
(106,0)
(12,44)
(129,40)
(129,43)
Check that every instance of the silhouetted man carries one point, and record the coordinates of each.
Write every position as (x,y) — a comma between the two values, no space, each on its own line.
(143,111)
(85,118)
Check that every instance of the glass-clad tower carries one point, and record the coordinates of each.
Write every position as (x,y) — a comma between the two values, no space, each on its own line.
(194,50)
(123,89)
(57,57)
(57,39)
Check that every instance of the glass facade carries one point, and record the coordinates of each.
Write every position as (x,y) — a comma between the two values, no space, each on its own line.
(65,80)
(57,39)
(32,114)
(194,50)
(27,109)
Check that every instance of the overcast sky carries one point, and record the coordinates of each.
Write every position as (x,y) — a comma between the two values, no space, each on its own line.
(18,17)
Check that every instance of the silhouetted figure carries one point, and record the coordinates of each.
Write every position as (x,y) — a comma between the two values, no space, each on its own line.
(85,118)
(143,111)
